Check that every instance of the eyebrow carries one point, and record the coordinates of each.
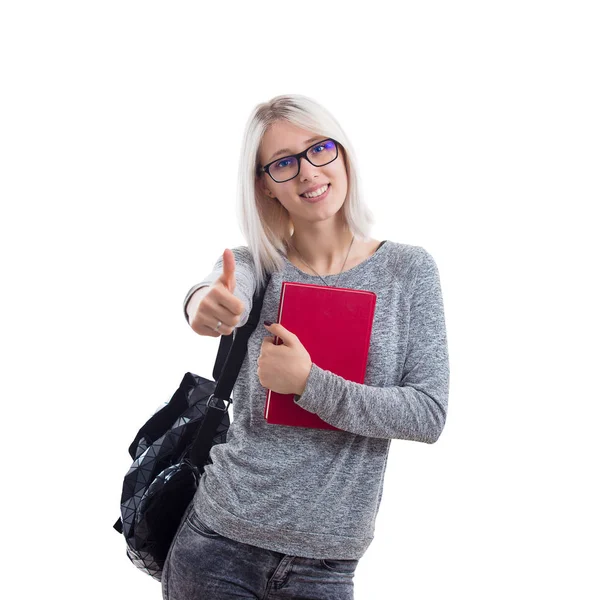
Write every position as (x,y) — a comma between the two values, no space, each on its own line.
(288,151)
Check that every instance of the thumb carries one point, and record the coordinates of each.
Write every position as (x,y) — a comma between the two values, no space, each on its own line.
(228,276)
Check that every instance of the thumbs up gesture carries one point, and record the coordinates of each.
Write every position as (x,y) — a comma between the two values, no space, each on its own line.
(219,303)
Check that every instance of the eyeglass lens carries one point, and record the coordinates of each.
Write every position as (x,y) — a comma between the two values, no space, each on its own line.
(288,167)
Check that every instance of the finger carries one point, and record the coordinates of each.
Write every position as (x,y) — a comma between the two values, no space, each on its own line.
(278,330)
(213,311)
(228,276)
(206,330)
(222,296)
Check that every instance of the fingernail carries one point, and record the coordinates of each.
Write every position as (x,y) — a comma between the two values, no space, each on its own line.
(268,323)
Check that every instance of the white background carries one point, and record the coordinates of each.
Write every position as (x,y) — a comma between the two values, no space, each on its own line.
(476,126)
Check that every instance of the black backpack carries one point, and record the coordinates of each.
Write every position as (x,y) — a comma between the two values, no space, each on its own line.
(172,448)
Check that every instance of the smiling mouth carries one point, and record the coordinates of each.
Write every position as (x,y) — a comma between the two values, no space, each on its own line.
(315,198)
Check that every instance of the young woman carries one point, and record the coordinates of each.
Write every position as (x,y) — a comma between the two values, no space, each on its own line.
(287,512)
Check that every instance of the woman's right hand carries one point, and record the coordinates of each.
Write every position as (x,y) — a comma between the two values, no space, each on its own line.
(219,303)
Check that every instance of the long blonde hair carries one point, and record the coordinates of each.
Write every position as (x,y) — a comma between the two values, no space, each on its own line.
(266,224)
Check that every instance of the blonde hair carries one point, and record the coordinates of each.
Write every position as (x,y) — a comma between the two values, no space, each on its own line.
(266,224)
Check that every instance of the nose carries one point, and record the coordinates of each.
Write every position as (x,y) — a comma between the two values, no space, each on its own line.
(306,169)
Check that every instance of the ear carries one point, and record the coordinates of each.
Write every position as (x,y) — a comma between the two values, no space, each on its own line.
(263,186)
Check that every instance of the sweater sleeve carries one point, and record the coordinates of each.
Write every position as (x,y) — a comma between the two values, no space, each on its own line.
(245,281)
(414,410)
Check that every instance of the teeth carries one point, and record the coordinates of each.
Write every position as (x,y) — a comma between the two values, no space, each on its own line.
(316,192)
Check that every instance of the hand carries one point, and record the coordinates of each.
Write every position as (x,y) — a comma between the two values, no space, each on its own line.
(283,368)
(219,303)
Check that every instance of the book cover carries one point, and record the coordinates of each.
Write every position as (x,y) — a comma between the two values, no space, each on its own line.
(334,325)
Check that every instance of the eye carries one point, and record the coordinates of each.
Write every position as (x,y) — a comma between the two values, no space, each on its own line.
(282,164)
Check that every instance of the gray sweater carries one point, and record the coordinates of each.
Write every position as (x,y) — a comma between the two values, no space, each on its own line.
(316,492)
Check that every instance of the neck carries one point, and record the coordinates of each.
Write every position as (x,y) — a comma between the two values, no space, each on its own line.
(324,252)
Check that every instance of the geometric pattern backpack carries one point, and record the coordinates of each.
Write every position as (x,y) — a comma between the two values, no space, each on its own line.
(171,449)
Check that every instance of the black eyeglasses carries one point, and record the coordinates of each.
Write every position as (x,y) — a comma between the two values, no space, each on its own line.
(286,168)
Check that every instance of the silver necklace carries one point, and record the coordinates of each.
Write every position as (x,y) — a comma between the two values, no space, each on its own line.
(340,273)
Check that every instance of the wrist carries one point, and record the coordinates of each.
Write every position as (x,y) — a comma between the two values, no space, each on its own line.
(194,301)
(303,387)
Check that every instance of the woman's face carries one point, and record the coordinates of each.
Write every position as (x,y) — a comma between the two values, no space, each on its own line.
(281,135)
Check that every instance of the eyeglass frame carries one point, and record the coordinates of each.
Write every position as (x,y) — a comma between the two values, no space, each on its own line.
(298,157)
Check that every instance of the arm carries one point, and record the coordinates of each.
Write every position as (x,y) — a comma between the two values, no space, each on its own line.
(414,410)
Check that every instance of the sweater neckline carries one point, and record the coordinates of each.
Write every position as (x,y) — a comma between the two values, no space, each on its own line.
(382,248)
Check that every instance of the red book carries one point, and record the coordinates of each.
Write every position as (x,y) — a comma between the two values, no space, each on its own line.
(334,325)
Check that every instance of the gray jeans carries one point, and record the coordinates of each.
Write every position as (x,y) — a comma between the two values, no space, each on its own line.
(204,565)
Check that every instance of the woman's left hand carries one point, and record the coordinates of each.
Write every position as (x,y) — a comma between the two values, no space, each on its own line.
(283,368)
